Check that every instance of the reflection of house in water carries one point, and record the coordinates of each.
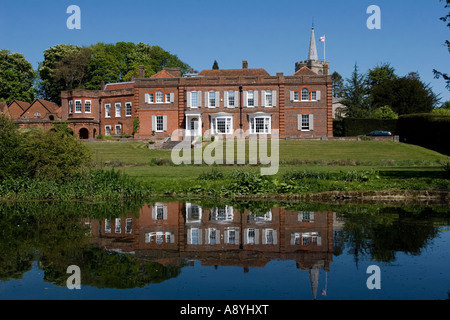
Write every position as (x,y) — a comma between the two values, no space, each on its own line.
(169,233)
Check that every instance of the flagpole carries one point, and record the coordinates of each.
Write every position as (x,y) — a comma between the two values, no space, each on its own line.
(324,46)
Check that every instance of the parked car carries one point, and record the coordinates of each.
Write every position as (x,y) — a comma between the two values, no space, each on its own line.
(379,133)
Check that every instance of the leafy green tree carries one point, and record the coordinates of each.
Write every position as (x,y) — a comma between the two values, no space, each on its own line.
(72,70)
(55,154)
(439,74)
(13,158)
(121,61)
(52,78)
(381,73)
(385,113)
(443,110)
(16,77)
(355,95)
(338,85)
(405,95)
(67,67)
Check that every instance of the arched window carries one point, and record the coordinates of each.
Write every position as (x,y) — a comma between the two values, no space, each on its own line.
(159,96)
(305,94)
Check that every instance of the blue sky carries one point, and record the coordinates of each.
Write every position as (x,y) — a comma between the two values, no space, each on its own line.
(269,34)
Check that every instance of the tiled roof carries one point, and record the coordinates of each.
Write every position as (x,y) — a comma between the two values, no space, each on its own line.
(50,106)
(120,85)
(163,74)
(234,73)
(305,71)
(23,105)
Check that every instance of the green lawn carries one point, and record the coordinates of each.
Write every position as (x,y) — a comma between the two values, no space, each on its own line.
(369,153)
(390,158)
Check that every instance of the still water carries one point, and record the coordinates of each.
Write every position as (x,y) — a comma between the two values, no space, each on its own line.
(200,250)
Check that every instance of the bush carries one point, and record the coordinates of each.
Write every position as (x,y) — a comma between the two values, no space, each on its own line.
(427,130)
(52,155)
(13,158)
(214,174)
(355,127)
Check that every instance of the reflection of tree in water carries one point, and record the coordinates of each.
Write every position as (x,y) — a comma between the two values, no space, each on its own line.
(104,269)
(383,233)
(53,234)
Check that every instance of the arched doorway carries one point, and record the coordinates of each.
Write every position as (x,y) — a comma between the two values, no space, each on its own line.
(84,134)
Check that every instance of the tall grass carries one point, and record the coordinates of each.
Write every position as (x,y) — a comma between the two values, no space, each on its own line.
(89,185)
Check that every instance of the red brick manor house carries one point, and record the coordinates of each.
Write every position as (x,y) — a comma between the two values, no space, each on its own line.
(222,101)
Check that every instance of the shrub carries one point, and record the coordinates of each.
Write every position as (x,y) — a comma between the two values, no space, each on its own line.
(355,127)
(214,174)
(13,158)
(427,130)
(55,155)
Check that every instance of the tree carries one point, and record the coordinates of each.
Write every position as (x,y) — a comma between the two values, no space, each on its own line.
(385,113)
(439,74)
(71,71)
(52,155)
(381,73)
(68,67)
(52,81)
(13,158)
(405,95)
(120,62)
(355,95)
(338,85)
(16,77)
(215,65)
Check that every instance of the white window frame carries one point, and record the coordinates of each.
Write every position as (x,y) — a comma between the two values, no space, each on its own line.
(86,109)
(212,99)
(159,121)
(150,98)
(80,103)
(231,97)
(225,213)
(108,127)
(251,236)
(197,238)
(194,97)
(129,226)
(128,107)
(232,234)
(159,95)
(268,96)
(108,110)
(168,99)
(301,124)
(296,96)
(267,124)
(193,208)
(251,99)
(118,110)
(215,232)
(107,226)
(304,90)
(228,124)
(115,129)
(118,225)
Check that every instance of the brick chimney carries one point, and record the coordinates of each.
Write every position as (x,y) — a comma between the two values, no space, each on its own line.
(141,72)
(244,64)
(176,72)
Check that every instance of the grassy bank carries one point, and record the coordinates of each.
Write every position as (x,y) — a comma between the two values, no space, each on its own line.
(305,167)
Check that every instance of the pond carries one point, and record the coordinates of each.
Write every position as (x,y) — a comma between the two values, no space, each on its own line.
(205,250)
